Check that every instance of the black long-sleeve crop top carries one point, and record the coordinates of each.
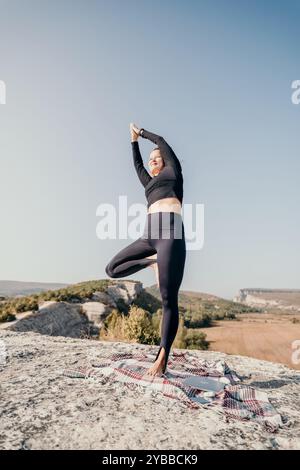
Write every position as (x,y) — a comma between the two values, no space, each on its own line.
(169,181)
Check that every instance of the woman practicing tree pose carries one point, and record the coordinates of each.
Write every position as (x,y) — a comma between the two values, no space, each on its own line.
(162,244)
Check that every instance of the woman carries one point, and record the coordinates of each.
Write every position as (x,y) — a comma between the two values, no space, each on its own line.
(164,244)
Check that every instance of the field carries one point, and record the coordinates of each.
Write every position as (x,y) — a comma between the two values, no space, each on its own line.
(267,336)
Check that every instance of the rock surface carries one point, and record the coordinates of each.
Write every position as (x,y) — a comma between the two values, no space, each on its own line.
(54,318)
(96,312)
(125,290)
(41,409)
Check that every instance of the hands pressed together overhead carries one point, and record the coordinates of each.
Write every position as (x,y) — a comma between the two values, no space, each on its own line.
(134,131)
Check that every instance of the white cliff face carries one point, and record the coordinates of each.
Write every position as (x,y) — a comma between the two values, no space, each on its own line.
(41,409)
(283,299)
(252,300)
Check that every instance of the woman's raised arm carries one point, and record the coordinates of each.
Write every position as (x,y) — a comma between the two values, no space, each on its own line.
(168,154)
(142,173)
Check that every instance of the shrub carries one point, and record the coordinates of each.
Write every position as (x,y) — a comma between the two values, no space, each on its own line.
(199,320)
(230,316)
(139,328)
(180,340)
(135,327)
(75,292)
(6,313)
(157,319)
(196,340)
(113,327)
(26,304)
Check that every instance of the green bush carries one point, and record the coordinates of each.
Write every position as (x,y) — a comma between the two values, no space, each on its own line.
(136,327)
(76,292)
(25,304)
(139,327)
(230,316)
(156,319)
(9,308)
(113,327)
(196,340)
(180,340)
(199,320)
(6,313)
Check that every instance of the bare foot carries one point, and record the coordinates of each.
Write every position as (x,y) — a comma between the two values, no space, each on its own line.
(157,367)
(155,267)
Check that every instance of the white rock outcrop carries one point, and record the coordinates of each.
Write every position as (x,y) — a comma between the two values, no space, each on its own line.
(282,299)
(54,319)
(96,312)
(126,291)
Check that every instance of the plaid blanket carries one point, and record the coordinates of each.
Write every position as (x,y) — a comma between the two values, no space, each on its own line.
(236,401)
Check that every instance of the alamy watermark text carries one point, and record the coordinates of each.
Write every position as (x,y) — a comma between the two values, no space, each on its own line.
(2,92)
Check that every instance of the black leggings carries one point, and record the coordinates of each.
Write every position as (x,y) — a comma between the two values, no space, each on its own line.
(164,235)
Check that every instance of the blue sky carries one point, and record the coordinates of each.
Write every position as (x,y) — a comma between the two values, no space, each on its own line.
(213,77)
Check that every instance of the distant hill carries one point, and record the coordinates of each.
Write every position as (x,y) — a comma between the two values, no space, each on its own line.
(184,294)
(200,303)
(277,299)
(15,288)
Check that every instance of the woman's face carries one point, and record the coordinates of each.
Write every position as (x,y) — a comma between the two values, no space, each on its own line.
(155,163)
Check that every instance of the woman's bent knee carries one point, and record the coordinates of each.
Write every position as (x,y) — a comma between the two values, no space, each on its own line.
(109,271)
